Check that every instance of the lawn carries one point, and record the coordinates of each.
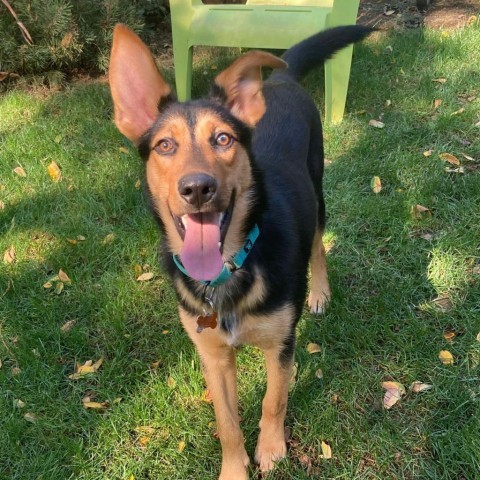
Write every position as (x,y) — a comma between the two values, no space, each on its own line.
(405,280)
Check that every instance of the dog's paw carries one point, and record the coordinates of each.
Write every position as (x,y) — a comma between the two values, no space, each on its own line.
(318,302)
(235,470)
(268,452)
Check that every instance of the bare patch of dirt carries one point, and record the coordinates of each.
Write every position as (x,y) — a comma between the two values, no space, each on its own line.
(400,14)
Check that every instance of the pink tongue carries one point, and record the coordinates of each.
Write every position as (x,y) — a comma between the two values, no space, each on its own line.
(200,253)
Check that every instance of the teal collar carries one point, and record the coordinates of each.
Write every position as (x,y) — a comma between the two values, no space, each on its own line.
(231,265)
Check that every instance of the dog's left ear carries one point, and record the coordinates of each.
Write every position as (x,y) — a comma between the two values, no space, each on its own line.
(242,85)
(136,84)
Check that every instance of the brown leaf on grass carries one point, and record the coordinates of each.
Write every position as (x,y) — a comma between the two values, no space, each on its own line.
(63,277)
(72,241)
(138,184)
(443,303)
(449,336)
(376,184)
(123,149)
(467,157)
(439,80)
(155,365)
(145,429)
(207,396)
(446,357)
(418,211)
(30,417)
(394,392)
(417,387)
(9,256)
(145,277)
(20,171)
(313,348)
(16,371)
(448,157)
(171,382)
(478,337)
(59,287)
(54,171)
(95,405)
(457,112)
(437,103)
(86,368)
(47,285)
(477,124)
(67,326)
(427,153)
(319,373)
(108,239)
(376,123)
(326,451)
(2,205)
(80,238)
(19,403)
(181,446)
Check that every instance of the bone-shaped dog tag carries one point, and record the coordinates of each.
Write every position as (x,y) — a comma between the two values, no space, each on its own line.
(206,321)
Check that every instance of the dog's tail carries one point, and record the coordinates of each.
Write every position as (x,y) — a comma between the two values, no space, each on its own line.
(318,48)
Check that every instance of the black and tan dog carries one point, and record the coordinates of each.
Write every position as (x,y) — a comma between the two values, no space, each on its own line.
(235,181)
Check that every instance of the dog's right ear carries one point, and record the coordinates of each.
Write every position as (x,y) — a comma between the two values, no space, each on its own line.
(136,85)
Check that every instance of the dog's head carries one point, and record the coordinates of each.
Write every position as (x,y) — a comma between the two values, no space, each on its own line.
(198,169)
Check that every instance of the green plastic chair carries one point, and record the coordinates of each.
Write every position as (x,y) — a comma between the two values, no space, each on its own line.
(259,24)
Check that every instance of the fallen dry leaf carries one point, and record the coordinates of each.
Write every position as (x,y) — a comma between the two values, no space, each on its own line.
(448,157)
(16,371)
(59,288)
(437,103)
(54,171)
(72,241)
(30,417)
(20,171)
(388,12)
(63,277)
(95,405)
(467,157)
(2,205)
(443,303)
(326,451)
(376,184)
(171,382)
(313,348)
(440,80)
(394,392)
(19,403)
(145,277)
(80,238)
(108,239)
(67,326)
(478,337)
(449,336)
(446,357)
(181,446)
(9,256)
(86,368)
(427,153)
(376,123)
(417,387)
(293,377)
(319,373)
(388,103)
(417,211)
(457,112)
(47,285)
(138,184)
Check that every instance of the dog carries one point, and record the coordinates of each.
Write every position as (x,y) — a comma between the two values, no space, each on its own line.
(235,182)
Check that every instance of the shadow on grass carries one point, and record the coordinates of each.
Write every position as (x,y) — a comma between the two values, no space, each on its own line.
(381,324)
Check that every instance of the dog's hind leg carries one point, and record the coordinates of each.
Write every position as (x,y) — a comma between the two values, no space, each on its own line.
(320,289)
(219,370)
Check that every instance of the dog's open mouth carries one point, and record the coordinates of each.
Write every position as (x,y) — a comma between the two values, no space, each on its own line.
(203,235)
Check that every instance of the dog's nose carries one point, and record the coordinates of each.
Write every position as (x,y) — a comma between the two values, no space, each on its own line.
(197,188)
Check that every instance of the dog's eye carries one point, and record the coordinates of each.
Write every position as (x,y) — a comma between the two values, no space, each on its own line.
(223,140)
(165,146)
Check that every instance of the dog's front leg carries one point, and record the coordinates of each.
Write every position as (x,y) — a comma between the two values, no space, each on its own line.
(271,444)
(219,369)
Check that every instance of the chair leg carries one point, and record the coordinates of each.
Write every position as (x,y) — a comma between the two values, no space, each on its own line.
(183,71)
(337,76)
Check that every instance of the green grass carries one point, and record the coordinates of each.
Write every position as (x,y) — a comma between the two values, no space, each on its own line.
(381,324)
